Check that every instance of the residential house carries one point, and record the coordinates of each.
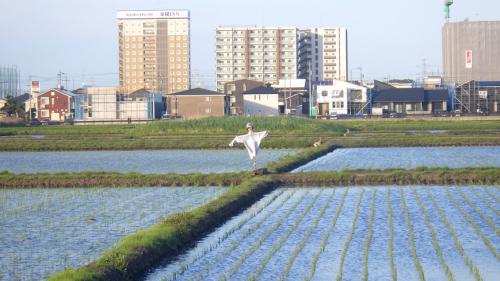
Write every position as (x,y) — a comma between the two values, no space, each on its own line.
(235,90)
(197,103)
(263,101)
(293,96)
(341,98)
(55,105)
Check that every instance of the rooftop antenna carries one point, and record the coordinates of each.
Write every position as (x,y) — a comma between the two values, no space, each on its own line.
(447,4)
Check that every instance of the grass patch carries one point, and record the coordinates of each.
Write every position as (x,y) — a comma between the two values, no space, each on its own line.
(425,176)
(111,179)
(216,132)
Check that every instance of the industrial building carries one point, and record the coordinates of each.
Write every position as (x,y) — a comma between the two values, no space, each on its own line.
(471,51)
(471,56)
(257,53)
(154,50)
(322,54)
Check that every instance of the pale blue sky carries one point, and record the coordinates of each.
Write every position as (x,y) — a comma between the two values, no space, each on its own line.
(388,38)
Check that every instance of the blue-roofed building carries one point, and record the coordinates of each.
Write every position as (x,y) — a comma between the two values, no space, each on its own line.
(410,101)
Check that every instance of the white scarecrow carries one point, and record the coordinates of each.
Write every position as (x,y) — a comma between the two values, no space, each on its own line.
(252,142)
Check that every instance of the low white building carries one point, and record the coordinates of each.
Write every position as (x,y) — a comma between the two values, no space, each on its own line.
(261,101)
(341,98)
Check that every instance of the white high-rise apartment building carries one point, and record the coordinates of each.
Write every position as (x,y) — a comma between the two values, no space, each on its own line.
(258,53)
(322,54)
(154,50)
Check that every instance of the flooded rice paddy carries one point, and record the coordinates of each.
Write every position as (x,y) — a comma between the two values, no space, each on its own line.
(435,232)
(44,231)
(405,158)
(140,161)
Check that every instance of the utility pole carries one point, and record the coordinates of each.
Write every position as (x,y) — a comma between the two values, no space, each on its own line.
(311,96)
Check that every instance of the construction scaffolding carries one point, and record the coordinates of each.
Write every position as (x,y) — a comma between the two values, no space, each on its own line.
(477,97)
(9,82)
(114,107)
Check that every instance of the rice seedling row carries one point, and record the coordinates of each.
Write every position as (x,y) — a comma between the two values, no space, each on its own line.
(478,211)
(394,273)
(474,225)
(298,249)
(213,243)
(369,237)
(258,243)
(416,260)
(435,242)
(278,244)
(491,194)
(348,241)
(485,201)
(325,237)
(458,244)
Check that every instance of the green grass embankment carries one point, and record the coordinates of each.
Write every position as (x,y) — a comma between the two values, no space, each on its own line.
(419,176)
(111,179)
(285,132)
(139,252)
(291,162)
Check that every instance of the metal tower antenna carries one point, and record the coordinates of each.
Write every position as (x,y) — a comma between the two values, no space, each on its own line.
(447,4)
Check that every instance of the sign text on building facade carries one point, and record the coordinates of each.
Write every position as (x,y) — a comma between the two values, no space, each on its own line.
(167,14)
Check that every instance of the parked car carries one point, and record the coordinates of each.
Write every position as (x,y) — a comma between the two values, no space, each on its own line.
(396,115)
(441,113)
(457,112)
(483,111)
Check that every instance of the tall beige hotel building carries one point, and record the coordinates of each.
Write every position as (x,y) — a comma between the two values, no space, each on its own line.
(154,50)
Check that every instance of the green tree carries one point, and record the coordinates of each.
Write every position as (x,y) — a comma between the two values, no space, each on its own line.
(12,107)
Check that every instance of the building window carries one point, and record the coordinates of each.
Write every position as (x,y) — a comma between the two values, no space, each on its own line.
(44,101)
(208,98)
(44,113)
(333,104)
(341,104)
(324,93)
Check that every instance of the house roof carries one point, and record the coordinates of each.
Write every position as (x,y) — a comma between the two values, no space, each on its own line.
(141,93)
(399,95)
(22,98)
(489,83)
(261,90)
(198,92)
(436,94)
(378,85)
(62,91)
(410,95)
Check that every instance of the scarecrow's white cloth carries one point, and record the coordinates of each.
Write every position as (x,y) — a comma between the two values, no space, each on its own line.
(251,141)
